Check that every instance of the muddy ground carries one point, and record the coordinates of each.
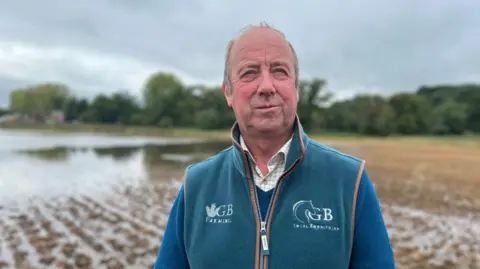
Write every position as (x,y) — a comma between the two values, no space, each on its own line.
(430,195)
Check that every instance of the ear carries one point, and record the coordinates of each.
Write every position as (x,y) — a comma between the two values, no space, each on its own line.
(227,94)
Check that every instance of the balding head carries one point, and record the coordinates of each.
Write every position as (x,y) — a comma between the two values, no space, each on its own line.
(255,30)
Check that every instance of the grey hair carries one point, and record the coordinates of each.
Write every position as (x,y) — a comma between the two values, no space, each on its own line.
(226,73)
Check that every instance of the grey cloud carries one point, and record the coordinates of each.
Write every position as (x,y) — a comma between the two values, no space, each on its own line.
(381,46)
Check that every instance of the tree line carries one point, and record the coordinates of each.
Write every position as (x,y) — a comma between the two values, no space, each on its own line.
(167,102)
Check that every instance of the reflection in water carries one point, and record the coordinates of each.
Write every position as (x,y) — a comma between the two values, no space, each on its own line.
(56,154)
(62,154)
(54,171)
(118,153)
(154,154)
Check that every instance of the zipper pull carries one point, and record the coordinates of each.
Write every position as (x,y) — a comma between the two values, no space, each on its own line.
(264,239)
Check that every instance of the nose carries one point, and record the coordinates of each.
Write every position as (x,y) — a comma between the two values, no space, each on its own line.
(266,85)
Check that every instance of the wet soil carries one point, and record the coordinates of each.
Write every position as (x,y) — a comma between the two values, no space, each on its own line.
(430,196)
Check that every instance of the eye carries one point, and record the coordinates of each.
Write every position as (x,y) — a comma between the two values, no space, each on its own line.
(248,72)
(280,70)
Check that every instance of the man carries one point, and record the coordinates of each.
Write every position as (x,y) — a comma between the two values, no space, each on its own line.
(276,198)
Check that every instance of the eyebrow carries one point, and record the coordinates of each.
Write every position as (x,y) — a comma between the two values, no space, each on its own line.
(247,66)
(280,64)
(256,66)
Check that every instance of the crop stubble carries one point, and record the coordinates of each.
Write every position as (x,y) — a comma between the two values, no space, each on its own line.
(430,195)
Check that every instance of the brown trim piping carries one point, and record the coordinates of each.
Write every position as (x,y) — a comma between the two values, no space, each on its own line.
(185,188)
(252,199)
(184,200)
(355,194)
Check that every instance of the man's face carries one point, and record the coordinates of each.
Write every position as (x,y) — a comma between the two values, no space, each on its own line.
(264,97)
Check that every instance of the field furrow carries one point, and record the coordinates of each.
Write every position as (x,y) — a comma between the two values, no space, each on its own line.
(430,208)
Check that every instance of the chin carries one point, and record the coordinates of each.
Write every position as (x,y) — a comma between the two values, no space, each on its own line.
(268,126)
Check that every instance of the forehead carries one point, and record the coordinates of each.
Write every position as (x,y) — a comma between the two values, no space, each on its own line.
(261,44)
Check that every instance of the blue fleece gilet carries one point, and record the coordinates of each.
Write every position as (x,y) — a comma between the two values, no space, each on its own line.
(309,222)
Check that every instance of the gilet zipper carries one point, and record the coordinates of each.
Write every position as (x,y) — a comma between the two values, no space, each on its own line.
(265,248)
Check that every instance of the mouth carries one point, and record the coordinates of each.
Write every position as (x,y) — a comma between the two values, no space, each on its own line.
(267,107)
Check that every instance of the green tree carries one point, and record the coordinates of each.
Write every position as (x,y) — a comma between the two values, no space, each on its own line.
(74,108)
(213,111)
(22,100)
(374,115)
(102,109)
(126,106)
(50,96)
(452,118)
(41,98)
(442,96)
(413,113)
(473,121)
(312,96)
(168,102)
(119,108)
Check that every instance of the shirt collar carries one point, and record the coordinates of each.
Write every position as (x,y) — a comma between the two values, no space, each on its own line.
(282,151)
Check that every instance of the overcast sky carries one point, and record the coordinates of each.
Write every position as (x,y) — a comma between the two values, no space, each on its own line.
(364,46)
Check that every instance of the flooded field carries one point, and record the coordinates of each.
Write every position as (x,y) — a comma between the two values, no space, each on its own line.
(430,195)
(90,201)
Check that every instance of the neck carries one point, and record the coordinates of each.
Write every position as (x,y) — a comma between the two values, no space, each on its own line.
(263,147)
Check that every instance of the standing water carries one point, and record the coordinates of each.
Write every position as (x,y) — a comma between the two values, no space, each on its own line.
(88,201)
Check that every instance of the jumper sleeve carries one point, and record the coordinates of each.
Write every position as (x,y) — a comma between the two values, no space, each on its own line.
(172,249)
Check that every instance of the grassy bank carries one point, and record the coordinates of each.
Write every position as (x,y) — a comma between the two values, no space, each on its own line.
(152,131)
(115,129)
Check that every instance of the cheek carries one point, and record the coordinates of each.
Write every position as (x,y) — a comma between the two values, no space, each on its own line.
(287,91)
(243,93)
(240,99)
